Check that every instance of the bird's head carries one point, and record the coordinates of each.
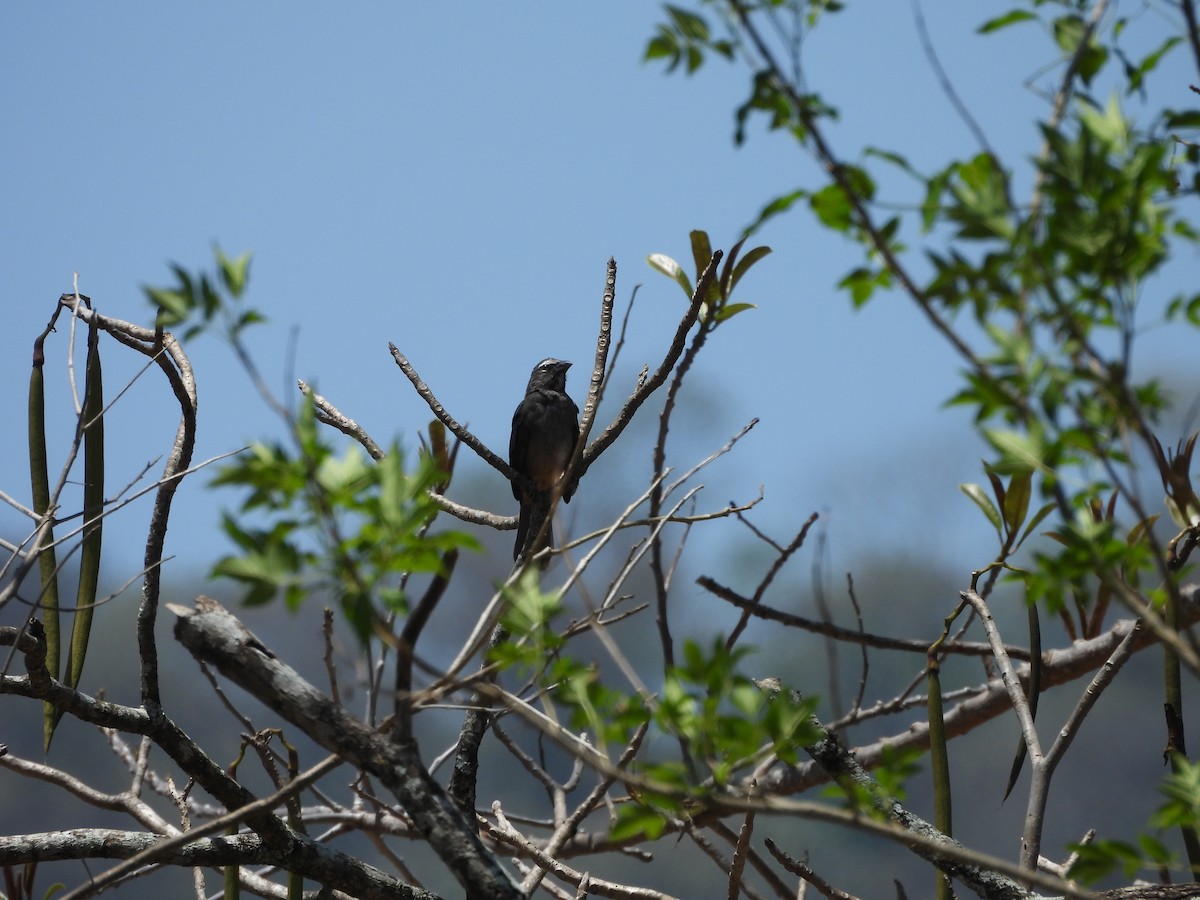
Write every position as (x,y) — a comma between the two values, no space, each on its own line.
(550,374)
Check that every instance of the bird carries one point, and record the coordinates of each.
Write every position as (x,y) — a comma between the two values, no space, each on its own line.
(545,429)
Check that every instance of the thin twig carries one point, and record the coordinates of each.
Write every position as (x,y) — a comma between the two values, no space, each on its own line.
(165,846)
(329,414)
(784,555)
(849,635)
(796,867)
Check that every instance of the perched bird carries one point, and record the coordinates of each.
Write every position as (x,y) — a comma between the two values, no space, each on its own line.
(545,428)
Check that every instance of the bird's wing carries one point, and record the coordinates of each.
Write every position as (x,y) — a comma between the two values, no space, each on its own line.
(569,489)
(518,443)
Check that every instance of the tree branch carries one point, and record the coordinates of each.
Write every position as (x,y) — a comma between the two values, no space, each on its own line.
(212,634)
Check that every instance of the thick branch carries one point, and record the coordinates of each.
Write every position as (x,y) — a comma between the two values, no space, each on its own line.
(308,858)
(1058,667)
(215,636)
(162,730)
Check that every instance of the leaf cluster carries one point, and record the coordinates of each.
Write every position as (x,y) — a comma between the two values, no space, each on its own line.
(342,524)
(202,300)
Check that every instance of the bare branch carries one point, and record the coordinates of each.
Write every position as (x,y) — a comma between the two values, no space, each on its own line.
(850,635)
(452,425)
(313,860)
(648,387)
(168,845)
(328,414)
(796,867)
(505,830)
(988,700)
(212,634)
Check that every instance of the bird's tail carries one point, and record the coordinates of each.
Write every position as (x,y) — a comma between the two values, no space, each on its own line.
(523,518)
(534,512)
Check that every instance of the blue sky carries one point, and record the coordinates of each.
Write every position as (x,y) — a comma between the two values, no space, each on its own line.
(453,179)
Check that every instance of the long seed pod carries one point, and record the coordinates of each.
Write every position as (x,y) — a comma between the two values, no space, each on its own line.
(1176,745)
(40,483)
(93,508)
(1032,693)
(939,762)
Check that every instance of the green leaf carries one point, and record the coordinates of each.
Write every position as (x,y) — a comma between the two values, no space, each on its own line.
(1187,119)
(210,300)
(1110,125)
(661,46)
(1016,500)
(173,307)
(780,204)
(895,159)
(530,612)
(336,522)
(235,273)
(1091,61)
(832,207)
(1102,857)
(701,251)
(688,23)
(998,489)
(663,263)
(862,283)
(1037,519)
(1068,32)
(1020,451)
(685,35)
(1011,17)
(725,274)
(982,209)
(980,498)
(1182,791)
(744,265)
(249,317)
(635,821)
(765,97)
(729,310)
(1150,62)
(931,206)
